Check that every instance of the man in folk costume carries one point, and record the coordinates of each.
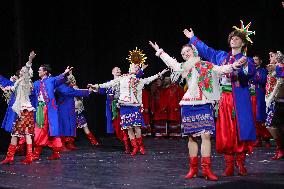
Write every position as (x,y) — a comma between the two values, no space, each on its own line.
(130,99)
(257,91)
(66,94)
(22,106)
(196,104)
(274,98)
(235,129)
(112,110)
(158,108)
(146,99)
(174,94)
(47,131)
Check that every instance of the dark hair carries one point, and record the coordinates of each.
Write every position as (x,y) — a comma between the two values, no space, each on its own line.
(240,35)
(258,56)
(186,45)
(18,73)
(47,68)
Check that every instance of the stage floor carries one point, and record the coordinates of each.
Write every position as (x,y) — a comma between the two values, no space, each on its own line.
(163,166)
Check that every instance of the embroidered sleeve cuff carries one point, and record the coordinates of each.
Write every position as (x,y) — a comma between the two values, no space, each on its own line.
(159,52)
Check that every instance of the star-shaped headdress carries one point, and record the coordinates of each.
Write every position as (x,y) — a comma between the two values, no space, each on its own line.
(136,57)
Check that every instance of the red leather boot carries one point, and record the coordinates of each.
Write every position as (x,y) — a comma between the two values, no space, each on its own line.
(193,168)
(29,155)
(140,145)
(70,143)
(92,139)
(206,169)
(126,142)
(37,152)
(55,153)
(279,153)
(135,147)
(229,160)
(10,155)
(240,162)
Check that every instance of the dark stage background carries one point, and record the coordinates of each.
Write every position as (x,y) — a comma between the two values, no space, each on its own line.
(94,38)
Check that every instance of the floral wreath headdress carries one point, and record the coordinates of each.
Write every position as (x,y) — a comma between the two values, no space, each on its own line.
(137,57)
(245,30)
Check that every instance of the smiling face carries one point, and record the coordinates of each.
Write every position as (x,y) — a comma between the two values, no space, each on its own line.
(134,69)
(187,52)
(41,72)
(272,57)
(116,72)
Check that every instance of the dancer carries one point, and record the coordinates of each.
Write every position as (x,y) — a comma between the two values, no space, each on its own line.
(47,128)
(22,106)
(235,129)
(196,104)
(130,99)
(274,98)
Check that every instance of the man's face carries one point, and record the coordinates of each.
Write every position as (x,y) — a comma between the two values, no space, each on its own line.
(133,69)
(187,53)
(236,42)
(158,82)
(272,58)
(41,72)
(256,60)
(116,71)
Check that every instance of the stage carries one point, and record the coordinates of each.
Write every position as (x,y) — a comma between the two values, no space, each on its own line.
(163,166)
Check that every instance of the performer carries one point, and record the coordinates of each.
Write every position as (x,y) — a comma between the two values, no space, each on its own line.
(130,99)
(274,98)
(235,129)
(22,106)
(196,109)
(112,108)
(158,108)
(257,91)
(47,131)
(146,99)
(174,93)
(66,94)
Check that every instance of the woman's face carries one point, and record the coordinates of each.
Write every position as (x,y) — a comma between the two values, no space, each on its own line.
(187,53)
(134,68)
(272,58)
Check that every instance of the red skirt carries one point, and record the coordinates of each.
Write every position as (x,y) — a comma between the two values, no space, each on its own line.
(24,124)
(227,137)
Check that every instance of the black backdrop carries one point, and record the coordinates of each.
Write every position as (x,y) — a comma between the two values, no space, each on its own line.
(94,38)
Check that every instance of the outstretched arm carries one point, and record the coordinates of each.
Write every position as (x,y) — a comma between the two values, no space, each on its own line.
(146,81)
(169,61)
(205,52)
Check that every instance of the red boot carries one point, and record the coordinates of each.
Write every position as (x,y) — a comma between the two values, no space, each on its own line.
(70,143)
(279,150)
(55,153)
(140,145)
(20,150)
(92,139)
(126,142)
(29,155)
(37,152)
(135,147)
(240,162)
(206,169)
(193,168)
(229,171)
(10,155)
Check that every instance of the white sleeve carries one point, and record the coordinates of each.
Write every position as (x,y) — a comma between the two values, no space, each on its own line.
(223,69)
(169,61)
(110,83)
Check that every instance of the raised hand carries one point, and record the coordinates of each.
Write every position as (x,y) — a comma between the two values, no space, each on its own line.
(67,70)
(144,66)
(240,62)
(154,45)
(188,33)
(32,56)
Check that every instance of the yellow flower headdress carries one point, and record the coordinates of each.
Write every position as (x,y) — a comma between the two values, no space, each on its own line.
(136,57)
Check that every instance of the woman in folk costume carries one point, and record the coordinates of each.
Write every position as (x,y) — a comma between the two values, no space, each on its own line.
(24,125)
(235,129)
(274,98)
(81,121)
(130,99)
(196,104)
